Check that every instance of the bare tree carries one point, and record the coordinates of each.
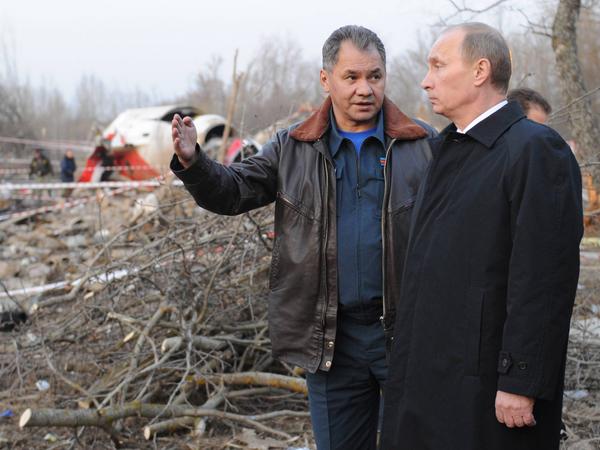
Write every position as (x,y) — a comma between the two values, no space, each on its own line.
(279,81)
(15,97)
(564,42)
(210,91)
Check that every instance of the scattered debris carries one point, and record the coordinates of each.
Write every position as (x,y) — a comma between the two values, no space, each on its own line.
(42,385)
(147,318)
(150,329)
(577,395)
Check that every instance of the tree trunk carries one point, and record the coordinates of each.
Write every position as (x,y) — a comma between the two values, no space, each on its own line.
(584,126)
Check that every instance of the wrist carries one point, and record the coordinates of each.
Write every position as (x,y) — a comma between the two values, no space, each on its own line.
(186,162)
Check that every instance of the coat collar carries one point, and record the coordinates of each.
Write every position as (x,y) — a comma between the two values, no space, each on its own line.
(490,129)
(396,124)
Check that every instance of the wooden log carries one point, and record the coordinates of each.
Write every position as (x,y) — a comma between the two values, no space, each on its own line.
(104,417)
(199,342)
(63,418)
(273,380)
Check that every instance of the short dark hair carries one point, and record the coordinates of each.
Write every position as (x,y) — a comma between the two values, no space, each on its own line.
(527,97)
(362,38)
(484,41)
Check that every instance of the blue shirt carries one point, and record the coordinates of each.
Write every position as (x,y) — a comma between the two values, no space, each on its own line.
(359,191)
(357,138)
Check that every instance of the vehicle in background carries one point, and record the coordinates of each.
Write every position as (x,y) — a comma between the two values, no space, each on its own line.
(137,145)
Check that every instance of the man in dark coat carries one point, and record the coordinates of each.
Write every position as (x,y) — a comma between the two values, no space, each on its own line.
(68,167)
(343,183)
(492,265)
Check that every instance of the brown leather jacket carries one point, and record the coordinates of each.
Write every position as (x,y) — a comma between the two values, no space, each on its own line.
(295,170)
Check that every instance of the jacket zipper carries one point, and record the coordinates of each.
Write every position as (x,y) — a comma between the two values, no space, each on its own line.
(358,173)
(325,242)
(292,206)
(383,223)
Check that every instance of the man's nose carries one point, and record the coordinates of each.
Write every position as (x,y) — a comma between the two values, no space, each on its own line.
(426,82)
(364,88)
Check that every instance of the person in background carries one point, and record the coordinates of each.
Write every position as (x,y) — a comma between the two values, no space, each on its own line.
(40,167)
(68,167)
(532,103)
(40,170)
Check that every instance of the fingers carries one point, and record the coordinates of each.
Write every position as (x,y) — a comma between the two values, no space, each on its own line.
(175,128)
(514,410)
(529,420)
(177,132)
(508,421)
(518,421)
(499,416)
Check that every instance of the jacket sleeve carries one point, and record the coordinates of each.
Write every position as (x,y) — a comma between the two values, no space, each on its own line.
(233,189)
(544,187)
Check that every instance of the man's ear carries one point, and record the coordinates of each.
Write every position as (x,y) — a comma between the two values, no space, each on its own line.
(324,79)
(483,71)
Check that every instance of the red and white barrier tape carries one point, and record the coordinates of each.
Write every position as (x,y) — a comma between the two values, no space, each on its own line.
(90,185)
(6,171)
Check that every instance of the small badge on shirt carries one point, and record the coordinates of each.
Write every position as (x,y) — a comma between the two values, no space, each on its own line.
(382,161)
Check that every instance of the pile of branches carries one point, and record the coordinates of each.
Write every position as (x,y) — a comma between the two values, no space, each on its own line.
(163,342)
(581,412)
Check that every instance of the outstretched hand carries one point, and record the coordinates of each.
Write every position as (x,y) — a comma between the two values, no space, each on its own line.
(514,410)
(184,136)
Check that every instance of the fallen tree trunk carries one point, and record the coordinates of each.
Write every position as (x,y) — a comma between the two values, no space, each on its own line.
(103,418)
(198,342)
(273,380)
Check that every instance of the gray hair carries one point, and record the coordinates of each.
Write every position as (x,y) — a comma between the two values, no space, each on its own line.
(362,38)
(484,41)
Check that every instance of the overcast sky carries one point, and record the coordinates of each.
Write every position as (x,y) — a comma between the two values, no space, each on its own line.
(158,46)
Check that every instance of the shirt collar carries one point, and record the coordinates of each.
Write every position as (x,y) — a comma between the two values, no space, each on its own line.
(489,130)
(335,139)
(483,116)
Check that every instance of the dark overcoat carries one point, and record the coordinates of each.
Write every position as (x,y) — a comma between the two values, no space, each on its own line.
(488,289)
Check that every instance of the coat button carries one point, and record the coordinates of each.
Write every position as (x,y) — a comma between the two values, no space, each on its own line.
(330,344)
(522,365)
(328,364)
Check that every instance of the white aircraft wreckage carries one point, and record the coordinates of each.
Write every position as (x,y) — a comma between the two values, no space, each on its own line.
(138,144)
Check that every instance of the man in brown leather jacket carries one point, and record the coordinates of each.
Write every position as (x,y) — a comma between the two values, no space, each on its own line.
(344,182)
